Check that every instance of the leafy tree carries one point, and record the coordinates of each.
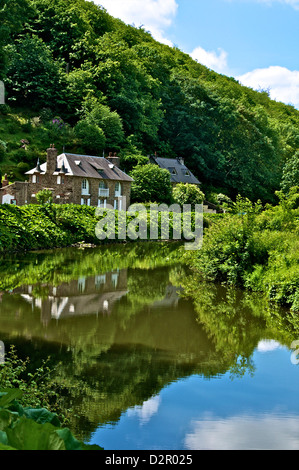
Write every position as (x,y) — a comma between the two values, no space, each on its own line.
(3,148)
(130,161)
(91,136)
(187,194)
(72,55)
(290,176)
(33,76)
(13,14)
(109,121)
(151,184)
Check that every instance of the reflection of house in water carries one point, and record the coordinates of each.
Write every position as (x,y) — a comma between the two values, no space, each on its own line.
(85,296)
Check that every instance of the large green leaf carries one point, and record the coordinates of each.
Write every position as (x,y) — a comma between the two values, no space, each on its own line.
(26,434)
(6,419)
(41,416)
(7,396)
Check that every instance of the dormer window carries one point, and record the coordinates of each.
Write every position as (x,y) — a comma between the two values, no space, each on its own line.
(173,171)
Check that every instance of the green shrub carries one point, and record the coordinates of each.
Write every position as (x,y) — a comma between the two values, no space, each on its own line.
(3,148)
(151,183)
(44,196)
(185,193)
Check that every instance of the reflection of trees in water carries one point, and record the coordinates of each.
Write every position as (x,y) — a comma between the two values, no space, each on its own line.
(152,337)
(64,265)
(236,320)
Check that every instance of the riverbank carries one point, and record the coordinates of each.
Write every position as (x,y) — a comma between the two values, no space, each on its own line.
(35,227)
(250,246)
(256,248)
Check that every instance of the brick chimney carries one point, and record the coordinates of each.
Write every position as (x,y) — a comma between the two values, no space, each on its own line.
(52,154)
(5,182)
(114,159)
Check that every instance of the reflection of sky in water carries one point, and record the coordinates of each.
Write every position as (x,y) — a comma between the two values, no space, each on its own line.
(259,412)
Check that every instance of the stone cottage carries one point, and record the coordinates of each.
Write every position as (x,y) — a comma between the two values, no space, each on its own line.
(73,179)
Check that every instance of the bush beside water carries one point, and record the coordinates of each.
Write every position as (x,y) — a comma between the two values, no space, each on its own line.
(255,247)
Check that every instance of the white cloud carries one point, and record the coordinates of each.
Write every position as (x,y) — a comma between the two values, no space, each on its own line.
(267,345)
(146,411)
(216,61)
(260,432)
(154,15)
(282,83)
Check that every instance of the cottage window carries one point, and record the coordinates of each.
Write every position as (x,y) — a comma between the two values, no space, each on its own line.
(35,179)
(103,189)
(85,202)
(60,179)
(102,203)
(85,187)
(117,189)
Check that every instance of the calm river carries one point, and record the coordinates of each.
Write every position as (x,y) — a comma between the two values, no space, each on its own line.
(150,357)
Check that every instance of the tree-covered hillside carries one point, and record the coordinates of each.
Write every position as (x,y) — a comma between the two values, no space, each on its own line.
(112,87)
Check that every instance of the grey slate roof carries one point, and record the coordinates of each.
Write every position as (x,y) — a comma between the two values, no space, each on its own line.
(179,173)
(85,166)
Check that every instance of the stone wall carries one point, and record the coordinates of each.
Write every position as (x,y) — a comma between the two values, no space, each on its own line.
(15,193)
(68,192)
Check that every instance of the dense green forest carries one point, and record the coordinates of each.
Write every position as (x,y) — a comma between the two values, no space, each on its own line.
(78,77)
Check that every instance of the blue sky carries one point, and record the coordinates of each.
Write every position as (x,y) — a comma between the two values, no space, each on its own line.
(255,41)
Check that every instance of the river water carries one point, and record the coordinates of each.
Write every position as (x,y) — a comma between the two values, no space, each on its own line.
(152,358)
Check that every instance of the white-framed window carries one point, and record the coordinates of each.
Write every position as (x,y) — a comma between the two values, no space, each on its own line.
(102,203)
(34,179)
(60,179)
(117,192)
(118,204)
(103,189)
(85,202)
(85,187)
